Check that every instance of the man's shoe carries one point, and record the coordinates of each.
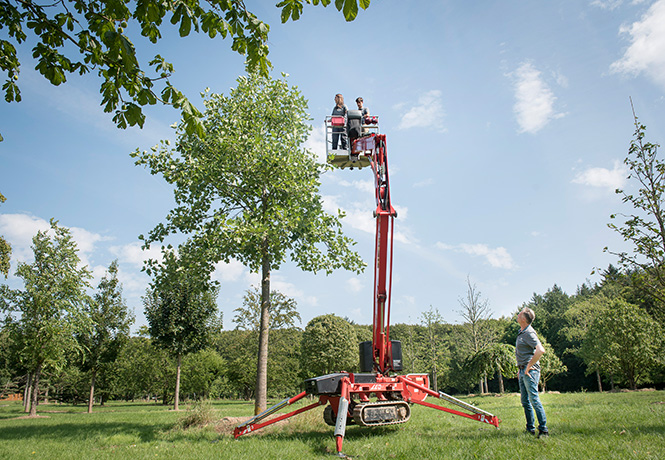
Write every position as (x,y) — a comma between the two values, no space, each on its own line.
(543,434)
(532,433)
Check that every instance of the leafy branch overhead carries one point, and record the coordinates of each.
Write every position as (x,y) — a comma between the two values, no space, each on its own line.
(77,36)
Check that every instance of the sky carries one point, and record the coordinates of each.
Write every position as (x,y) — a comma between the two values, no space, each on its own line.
(507,124)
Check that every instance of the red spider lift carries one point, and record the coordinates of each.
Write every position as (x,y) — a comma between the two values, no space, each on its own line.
(376,396)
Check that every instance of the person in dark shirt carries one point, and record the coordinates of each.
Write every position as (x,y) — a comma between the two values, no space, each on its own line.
(340,109)
(528,351)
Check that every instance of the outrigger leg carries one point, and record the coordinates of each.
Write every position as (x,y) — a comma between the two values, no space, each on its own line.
(340,424)
(254,423)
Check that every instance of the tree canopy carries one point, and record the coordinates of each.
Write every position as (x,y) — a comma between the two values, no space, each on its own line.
(248,190)
(75,36)
(50,306)
(644,225)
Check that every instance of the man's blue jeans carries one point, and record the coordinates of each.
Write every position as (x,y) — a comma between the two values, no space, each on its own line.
(531,401)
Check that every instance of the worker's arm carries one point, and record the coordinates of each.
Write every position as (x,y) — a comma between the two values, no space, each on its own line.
(540,351)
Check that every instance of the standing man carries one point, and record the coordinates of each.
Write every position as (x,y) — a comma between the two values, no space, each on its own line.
(340,109)
(528,351)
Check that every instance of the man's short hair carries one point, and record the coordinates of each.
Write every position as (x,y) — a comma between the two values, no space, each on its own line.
(529,315)
(359,99)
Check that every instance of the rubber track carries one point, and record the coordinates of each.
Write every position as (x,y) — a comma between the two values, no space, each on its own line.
(357,410)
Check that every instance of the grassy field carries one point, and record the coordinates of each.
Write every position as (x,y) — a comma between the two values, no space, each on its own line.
(583,426)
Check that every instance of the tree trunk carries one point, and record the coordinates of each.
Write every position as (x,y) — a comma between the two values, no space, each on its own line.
(261,392)
(177,384)
(435,386)
(600,383)
(35,392)
(501,387)
(27,392)
(92,391)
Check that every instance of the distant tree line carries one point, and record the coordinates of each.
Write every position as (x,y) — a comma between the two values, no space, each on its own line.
(604,336)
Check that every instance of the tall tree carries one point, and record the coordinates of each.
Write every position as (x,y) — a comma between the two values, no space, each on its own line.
(644,227)
(475,311)
(180,307)
(74,36)
(50,305)
(250,191)
(431,320)
(5,247)
(111,320)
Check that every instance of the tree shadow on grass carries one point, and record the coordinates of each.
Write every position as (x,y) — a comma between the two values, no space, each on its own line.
(77,431)
(323,442)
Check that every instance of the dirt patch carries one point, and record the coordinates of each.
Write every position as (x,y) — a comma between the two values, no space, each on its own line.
(32,416)
(228,424)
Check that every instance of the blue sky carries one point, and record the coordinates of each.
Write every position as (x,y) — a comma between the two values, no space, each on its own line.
(507,124)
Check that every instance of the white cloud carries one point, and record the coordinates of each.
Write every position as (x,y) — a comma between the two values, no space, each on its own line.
(496,257)
(607,4)
(133,254)
(427,113)
(359,215)
(424,183)
(290,290)
(19,229)
(316,142)
(603,177)
(231,271)
(612,4)
(355,285)
(534,106)
(646,52)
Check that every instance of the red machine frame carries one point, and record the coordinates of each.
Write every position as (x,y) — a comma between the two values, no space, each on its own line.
(348,395)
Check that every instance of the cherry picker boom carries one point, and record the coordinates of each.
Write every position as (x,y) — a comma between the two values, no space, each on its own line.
(375,396)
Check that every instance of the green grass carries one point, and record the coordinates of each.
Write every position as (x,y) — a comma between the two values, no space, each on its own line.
(583,426)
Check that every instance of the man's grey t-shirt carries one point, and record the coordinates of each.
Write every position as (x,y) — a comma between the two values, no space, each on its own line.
(525,346)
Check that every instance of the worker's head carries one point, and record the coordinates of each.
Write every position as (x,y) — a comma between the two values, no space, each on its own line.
(359,101)
(525,316)
(339,99)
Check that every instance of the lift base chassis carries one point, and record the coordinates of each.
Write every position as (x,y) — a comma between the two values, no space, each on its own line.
(366,400)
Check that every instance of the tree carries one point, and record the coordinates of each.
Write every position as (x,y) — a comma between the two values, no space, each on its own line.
(75,36)
(550,364)
(50,305)
(155,376)
(328,345)
(180,307)
(645,227)
(200,371)
(476,312)
(430,320)
(624,340)
(110,326)
(5,247)
(283,311)
(579,318)
(249,191)
(495,358)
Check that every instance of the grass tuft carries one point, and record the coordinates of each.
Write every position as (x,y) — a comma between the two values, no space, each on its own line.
(201,414)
